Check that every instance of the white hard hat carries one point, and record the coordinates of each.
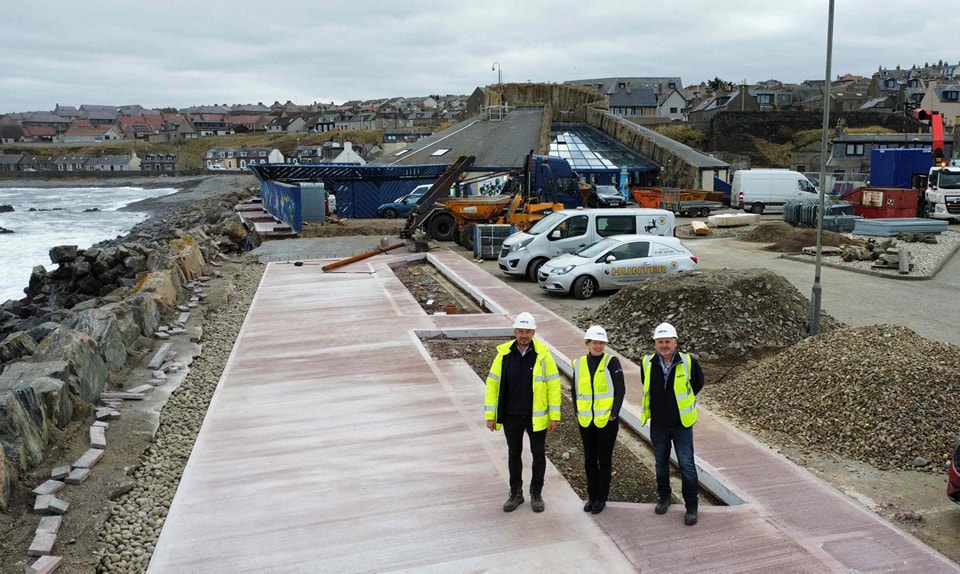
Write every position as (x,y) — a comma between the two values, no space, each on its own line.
(664,330)
(595,333)
(525,321)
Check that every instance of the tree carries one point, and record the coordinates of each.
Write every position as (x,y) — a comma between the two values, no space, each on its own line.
(716,84)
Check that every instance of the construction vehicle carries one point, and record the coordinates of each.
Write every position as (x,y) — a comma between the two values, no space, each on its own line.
(941,195)
(529,195)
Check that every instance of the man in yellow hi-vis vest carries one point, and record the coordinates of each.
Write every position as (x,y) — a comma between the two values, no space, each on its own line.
(671,381)
(523,395)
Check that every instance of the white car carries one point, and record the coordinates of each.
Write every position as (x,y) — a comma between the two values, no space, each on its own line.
(613,263)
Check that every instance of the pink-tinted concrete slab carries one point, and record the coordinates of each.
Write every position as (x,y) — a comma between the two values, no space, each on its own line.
(333,443)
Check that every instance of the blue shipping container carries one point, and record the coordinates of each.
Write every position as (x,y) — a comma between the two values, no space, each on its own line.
(895,167)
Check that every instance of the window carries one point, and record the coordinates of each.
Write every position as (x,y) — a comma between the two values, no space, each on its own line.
(263,153)
(573,227)
(854,149)
(621,85)
(765,99)
(616,225)
(440,152)
(951,96)
(674,110)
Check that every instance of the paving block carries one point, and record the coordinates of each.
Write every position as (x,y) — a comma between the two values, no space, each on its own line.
(49,524)
(89,458)
(58,506)
(177,331)
(125,395)
(77,476)
(158,374)
(163,328)
(141,389)
(98,437)
(104,413)
(162,335)
(59,472)
(46,504)
(44,565)
(49,487)
(183,318)
(183,308)
(157,358)
(103,424)
(42,544)
(193,304)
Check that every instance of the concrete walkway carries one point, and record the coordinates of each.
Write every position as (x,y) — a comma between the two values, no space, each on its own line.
(334,443)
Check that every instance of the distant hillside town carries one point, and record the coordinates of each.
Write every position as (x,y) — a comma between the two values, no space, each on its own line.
(400,121)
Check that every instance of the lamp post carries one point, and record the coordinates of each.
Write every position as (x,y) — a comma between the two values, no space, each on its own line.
(816,291)
(496,66)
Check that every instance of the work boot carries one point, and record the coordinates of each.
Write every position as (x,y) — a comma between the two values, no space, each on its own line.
(598,507)
(690,518)
(515,500)
(662,506)
(536,502)
(588,505)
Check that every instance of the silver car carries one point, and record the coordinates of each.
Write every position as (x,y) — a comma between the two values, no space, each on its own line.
(613,263)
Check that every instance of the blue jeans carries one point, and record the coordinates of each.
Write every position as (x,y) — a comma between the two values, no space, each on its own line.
(682,439)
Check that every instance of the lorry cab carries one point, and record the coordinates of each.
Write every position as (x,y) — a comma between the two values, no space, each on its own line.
(569,230)
(768,190)
(942,196)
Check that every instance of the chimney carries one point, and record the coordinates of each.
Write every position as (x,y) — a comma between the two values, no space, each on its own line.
(629,88)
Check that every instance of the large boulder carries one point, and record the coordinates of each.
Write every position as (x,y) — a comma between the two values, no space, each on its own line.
(23,425)
(83,354)
(63,253)
(188,257)
(162,286)
(50,380)
(135,316)
(102,326)
(16,345)
(4,485)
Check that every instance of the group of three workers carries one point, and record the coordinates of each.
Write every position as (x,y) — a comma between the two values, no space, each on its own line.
(523,397)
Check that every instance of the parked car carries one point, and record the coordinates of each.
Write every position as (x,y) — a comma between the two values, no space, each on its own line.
(953,474)
(613,263)
(401,207)
(607,196)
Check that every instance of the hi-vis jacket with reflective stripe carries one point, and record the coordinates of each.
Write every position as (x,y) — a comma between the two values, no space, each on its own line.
(594,397)
(546,387)
(686,399)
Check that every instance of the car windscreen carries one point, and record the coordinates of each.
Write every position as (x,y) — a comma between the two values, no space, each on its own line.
(607,190)
(546,224)
(597,248)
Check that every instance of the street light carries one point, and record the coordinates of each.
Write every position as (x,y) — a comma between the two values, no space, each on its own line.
(496,66)
(815,293)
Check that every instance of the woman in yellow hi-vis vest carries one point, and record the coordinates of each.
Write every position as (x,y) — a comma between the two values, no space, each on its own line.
(598,390)
(671,381)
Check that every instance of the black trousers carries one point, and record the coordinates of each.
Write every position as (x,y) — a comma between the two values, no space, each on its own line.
(513,428)
(598,457)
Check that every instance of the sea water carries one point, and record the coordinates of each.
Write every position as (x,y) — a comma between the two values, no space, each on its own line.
(80,216)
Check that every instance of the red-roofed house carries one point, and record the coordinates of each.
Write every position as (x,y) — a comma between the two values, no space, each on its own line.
(39,133)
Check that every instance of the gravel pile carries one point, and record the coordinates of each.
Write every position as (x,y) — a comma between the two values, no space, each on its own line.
(882,395)
(136,518)
(719,315)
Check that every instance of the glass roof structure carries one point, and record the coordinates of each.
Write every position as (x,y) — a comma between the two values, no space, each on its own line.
(589,150)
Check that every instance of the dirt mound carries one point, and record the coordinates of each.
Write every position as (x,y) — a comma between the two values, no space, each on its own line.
(882,395)
(768,232)
(719,315)
(348,227)
(800,238)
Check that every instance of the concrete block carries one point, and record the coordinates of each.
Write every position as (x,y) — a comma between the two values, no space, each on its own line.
(103,413)
(142,389)
(77,476)
(58,506)
(42,544)
(183,308)
(162,335)
(163,328)
(103,424)
(158,374)
(44,565)
(59,472)
(49,487)
(158,357)
(183,318)
(125,395)
(42,504)
(89,458)
(98,437)
(50,524)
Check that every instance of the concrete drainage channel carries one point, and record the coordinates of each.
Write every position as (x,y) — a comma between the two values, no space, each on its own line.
(438,294)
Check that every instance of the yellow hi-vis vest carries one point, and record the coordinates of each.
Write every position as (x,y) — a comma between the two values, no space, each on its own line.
(546,386)
(594,397)
(686,400)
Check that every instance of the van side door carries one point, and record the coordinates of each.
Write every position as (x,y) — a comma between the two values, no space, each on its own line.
(626,264)
(608,225)
(569,235)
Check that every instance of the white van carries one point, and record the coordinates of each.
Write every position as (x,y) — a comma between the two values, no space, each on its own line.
(767,190)
(568,230)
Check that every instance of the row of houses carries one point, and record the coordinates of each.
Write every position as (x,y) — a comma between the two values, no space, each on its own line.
(931,87)
(73,163)
(96,124)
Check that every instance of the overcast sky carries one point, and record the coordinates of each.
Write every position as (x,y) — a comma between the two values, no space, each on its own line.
(175,53)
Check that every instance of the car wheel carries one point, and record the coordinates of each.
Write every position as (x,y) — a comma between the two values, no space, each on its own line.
(466,237)
(443,227)
(757,208)
(584,287)
(534,267)
(389,213)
